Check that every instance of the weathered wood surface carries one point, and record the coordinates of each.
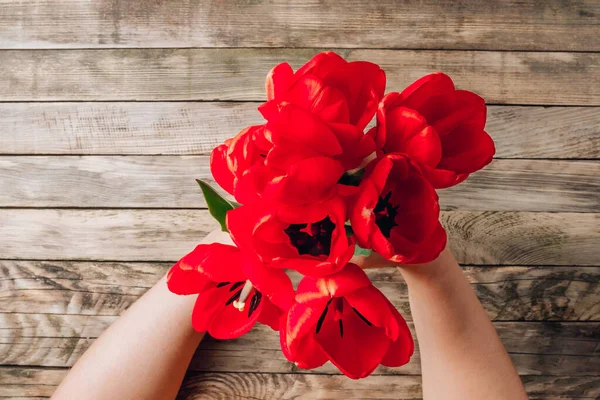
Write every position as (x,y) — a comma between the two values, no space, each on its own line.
(192,128)
(27,381)
(511,25)
(309,387)
(507,238)
(539,348)
(105,289)
(238,74)
(169,182)
(103,102)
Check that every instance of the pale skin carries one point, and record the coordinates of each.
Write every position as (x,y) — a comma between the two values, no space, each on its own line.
(145,353)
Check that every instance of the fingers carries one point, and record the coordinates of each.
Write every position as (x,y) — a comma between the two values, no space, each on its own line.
(373,260)
(218,236)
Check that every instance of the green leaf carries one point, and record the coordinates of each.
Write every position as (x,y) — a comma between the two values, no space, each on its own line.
(359,251)
(349,230)
(217,204)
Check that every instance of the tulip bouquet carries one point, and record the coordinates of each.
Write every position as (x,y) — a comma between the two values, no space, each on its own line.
(313,190)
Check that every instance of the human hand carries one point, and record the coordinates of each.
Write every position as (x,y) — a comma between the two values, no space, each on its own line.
(218,236)
(430,269)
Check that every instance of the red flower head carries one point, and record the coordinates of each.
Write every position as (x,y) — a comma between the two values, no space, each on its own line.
(396,212)
(310,239)
(324,106)
(250,168)
(345,319)
(240,162)
(335,90)
(235,291)
(437,125)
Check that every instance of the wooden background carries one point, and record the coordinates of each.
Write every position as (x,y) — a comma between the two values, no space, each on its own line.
(109,108)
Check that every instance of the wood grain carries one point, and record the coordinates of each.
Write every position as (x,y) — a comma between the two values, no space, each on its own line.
(25,382)
(105,289)
(169,182)
(476,237)
(238,74)
(108,110)
(157,235)
(190,128)
(308,387)
(546,348)
(524,25)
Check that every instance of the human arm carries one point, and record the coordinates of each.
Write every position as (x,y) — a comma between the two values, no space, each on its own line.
(462,356)
(142,355)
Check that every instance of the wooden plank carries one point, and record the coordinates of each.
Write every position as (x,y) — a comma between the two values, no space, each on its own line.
(476,237)
(25,382)
(102,234)
(29,382)
(238,74)
(105,289)
(187,128)
(308,387)
(544,348)
(169,182)
(579,338)
(524,25)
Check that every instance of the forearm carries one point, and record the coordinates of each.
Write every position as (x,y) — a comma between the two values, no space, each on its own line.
(461,354)
(143,355)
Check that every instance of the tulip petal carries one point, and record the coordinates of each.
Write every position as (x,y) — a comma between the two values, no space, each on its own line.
(301,320)
(459,108)
(307,354)
(379,132)
(219,168)
(297,125)
(272,282)
(279,79)
(356,348)
(356,145)
(270,314)
(363,84)
(310,180)
(375,307)
(408,132)
(421,91)
(442,178)
(401,349)
(322,65)
(249,187)
(467,150)
(346,281)
(427,250)
(311,94)
(208,304)
(185,281)
(231,323)
(217,262)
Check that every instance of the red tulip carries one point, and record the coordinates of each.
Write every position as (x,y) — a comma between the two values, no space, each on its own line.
(241,158)
(345,319)
(440,127)
(234,291)
(310,239)
(324,106)
(253,170)
(396,212)
(328,86)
